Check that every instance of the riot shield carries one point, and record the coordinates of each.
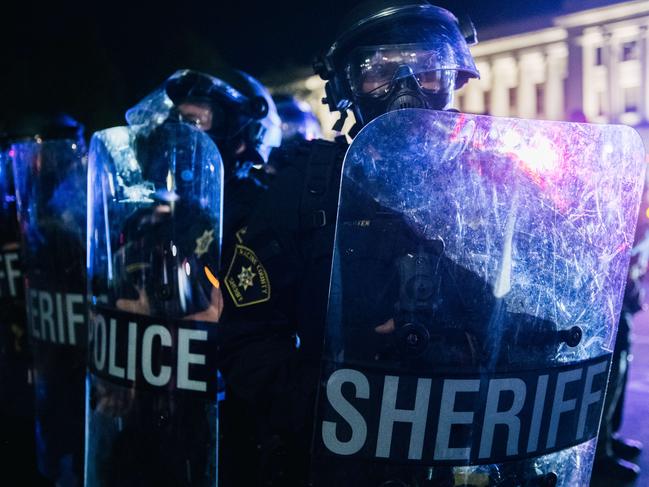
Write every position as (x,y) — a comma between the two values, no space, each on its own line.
(50,187)
(154,219)
(16,385)
(477,279)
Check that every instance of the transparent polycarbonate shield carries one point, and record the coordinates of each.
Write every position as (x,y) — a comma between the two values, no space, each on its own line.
(50,178)
(16,385)
(478,272)
(154,220)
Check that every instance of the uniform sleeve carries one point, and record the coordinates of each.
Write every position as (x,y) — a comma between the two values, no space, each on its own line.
(260,269)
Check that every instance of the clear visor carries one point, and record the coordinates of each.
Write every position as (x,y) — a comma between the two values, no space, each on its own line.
(195,109)
(372,70)
(200,115)
(152,110)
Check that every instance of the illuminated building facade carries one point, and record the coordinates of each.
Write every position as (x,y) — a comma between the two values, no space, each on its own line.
(595,61)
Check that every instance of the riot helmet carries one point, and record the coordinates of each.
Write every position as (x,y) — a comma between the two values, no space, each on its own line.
(45,126)
(240,117)
(396,54)
(260,130)
(298,119)
(60,141)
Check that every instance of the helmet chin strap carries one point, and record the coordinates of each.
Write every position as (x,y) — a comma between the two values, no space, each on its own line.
(338,126)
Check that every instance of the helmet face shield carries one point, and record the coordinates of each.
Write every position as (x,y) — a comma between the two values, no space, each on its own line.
(373,70)
(200,115)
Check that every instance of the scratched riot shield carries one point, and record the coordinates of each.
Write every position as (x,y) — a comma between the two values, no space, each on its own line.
(154,219)
(477,279)
(50,178)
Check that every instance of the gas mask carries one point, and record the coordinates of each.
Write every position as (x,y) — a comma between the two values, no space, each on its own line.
(386,78)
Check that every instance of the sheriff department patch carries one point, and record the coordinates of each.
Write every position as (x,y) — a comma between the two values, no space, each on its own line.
(247,280)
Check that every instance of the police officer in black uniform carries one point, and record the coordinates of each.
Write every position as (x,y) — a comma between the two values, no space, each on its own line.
(17,438)
(276,277)
(240,117)
(616,454)
(245,132)
(16,390)
(243,123)
(54,259)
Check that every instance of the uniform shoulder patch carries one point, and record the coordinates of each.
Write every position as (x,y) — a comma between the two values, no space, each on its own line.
(247,280)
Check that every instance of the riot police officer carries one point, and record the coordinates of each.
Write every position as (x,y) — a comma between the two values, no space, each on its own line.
(298,120)
(49,169)
(239,115)
(615,454)
(242,119)
(387,56)
(166,254)
(17,445)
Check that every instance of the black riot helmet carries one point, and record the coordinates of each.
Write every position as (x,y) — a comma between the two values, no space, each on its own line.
(396,54)
(45,126)
(240,116)
(64,134)
(298,120)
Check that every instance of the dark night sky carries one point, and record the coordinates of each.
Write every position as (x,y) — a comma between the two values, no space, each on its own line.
(95,63)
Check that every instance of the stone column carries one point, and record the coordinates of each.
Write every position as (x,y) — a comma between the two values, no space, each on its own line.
(526,98)
(644,76)
(499,88)
(574,95)
(611,55)
(554,75)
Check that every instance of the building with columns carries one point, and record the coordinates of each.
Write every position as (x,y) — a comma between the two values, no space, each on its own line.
(593,61)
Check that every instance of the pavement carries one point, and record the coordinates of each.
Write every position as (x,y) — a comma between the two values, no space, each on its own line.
(636,410)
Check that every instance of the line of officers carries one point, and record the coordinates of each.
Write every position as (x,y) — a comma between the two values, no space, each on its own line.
(268,273)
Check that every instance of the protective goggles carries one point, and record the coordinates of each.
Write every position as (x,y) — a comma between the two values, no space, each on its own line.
(372,70)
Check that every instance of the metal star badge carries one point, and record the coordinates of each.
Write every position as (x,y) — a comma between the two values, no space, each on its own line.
(203,242)
(246,277)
